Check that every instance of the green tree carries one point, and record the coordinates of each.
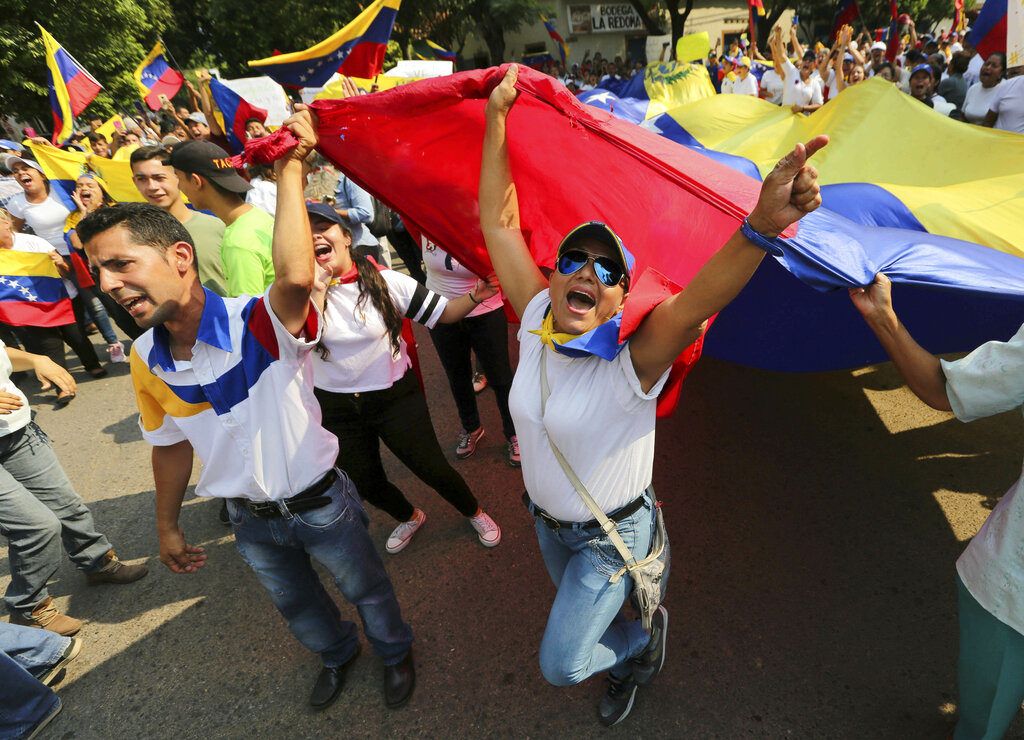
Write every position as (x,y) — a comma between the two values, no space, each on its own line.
(108,37)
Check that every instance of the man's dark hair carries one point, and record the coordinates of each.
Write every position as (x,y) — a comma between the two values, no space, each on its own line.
(95,137)
(915,57)
(145,224)
(156,151)
(960,62)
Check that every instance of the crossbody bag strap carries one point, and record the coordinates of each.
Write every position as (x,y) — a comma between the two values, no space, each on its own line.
(607,525)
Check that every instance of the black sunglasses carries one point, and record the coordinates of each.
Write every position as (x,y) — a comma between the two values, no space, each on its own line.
(608,271)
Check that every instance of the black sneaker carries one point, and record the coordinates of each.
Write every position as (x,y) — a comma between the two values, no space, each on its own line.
(649,663)
(618,701)
(223,515)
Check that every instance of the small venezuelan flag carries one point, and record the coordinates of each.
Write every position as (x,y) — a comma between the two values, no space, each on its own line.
(236,111)
(563,48)
(428,50)
(757,5)
(71,87)
(155,77)
(357,50)
(31,291)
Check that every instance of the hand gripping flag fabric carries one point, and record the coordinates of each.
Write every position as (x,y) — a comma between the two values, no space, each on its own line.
(357,50)
(563,47)
(419,145)
(662,86)
(428,50)
(71,88)
(31,291)
(155,77)
(235,111)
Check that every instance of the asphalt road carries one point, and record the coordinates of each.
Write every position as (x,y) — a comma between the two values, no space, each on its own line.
(814,519)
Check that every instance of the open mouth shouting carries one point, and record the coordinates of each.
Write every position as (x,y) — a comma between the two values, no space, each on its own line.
(580,300)
(322,251)
(134,305)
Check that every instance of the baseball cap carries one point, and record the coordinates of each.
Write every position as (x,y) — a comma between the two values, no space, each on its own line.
(12,145)
(327,213)
(923,68)
(848,57)
(878,46)
(12,159)
(197,117)
(210,161)
(744,62)
(600,232)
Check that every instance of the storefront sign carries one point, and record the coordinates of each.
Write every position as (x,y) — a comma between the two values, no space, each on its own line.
(617,18)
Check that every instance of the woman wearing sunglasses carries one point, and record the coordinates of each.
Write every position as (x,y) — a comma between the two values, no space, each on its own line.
(601,410)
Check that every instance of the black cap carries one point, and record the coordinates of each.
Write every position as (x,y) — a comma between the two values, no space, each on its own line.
(208,160)
(327,213)
(602,233)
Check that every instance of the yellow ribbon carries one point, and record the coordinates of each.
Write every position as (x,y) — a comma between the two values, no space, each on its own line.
(549,336)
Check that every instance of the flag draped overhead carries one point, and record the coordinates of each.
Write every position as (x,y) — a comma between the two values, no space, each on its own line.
(155,77)
(357,50)
(674,206)
(235,111)
(71,87)
(663,86)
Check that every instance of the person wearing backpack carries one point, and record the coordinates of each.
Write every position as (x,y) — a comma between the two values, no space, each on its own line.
(585,422)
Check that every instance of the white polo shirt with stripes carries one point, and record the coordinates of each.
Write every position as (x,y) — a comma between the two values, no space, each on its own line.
(245,400)
(360,357)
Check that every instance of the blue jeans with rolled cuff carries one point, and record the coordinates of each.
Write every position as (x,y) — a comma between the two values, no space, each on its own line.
(280,551)
(587,633)
(25,654)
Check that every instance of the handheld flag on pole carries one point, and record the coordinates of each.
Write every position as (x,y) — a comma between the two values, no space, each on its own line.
(756,5)
(236,111)
(71,87)
(357,50)
(563,48)
(988,34)
(892,44)
(428,50)
(846,13)
(155,77)
(31,291)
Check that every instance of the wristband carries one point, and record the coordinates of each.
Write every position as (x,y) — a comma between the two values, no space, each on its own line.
(771,246)
(473,298)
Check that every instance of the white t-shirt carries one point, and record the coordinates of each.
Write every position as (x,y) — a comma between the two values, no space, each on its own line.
(597,414)
(988,381)
(449,278)
(772,85)
(1009,104)
(978,101)
(30,243)
(263,195)
(973,73)
(20,418)
(727,86)
(359,356)
(745,86)
(46,219)
(798,92)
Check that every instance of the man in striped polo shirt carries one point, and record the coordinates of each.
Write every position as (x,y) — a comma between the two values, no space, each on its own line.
(231,379)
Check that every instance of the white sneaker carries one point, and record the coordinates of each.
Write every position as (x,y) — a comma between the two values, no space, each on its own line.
(403,532)
(488,531)
(116,352)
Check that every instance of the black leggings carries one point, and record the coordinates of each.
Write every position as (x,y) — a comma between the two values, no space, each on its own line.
(399,417)
(50,340)
(487,336)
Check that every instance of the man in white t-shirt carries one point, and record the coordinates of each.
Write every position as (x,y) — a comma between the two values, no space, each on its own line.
(1007,112)
(41,515)
(990,571)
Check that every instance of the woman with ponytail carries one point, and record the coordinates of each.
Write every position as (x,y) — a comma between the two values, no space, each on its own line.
(363,380)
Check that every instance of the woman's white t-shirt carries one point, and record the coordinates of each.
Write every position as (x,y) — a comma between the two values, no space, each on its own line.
(360,357)
(978,101)
(46,219)
(19,418)
(445,275)
(597,414)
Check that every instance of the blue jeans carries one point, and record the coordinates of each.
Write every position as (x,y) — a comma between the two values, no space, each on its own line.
(586,631)
(279,551)
(40,511)
(25,653)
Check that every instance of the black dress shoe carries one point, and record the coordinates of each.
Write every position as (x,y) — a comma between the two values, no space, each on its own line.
(330,683)
(399,681)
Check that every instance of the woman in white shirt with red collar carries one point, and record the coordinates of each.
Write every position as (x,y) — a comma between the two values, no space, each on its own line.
(601,411)
(365,385)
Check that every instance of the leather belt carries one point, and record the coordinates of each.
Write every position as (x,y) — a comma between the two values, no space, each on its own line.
(311,498)
(616,516)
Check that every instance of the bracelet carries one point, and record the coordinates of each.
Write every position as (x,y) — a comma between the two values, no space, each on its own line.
(768,244)
(473,298)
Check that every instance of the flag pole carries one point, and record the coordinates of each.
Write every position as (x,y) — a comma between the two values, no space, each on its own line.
(171,56)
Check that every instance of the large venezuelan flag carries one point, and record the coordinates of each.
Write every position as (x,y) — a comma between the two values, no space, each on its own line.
(988,34)
(235,111)
(71,87)
(155,77)
(357,50)
(662,86)
(63,167)
(31,291)
(675,206)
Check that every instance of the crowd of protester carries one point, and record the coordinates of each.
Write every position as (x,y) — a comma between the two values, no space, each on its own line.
(222,268)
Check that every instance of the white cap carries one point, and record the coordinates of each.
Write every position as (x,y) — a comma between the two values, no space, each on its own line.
(880,45)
